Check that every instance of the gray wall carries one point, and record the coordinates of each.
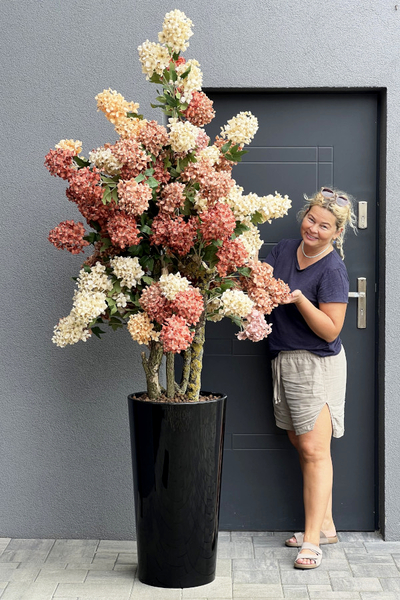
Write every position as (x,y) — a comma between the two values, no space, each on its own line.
(64,442)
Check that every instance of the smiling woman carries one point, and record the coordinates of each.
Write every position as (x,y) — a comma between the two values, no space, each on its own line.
(309,362)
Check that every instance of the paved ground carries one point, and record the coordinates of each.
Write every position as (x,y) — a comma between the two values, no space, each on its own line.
(250,565)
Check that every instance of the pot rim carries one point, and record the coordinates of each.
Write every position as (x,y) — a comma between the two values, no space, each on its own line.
(202,392)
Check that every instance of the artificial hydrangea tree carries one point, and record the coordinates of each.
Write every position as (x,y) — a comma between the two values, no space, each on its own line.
(175,238)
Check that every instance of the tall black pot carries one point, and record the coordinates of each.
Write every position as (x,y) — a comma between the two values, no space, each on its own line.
(177,462)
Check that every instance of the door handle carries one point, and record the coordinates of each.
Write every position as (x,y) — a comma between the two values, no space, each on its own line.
(361,296)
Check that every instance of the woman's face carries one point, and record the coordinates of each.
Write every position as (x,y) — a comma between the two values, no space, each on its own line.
(318,228)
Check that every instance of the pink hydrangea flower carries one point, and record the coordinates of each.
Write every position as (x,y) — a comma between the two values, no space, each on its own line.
(132,156)
(176,335)
(68,235)
(153,137)
(172,197)
(174,233)
(256,328)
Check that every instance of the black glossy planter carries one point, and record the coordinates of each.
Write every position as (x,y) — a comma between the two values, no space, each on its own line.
(177,463)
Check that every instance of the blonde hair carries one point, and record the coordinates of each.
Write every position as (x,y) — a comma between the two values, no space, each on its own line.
(344,215)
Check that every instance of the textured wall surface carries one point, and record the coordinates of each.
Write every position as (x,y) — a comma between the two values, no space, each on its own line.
(64,441)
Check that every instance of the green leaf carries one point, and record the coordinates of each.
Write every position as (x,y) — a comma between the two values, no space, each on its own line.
(172,71)
(149,172)
(135,250)
(226,146)
(133,115)
(227,284)
(172,101)
(87,269)
(155,78)
(92,237)
(186,73)
(188,206)
(107,179)
(106,244)
(97,331)
(146,229)
(240,228)
(157,106)
(152,183)
(140,178)
(245,271)
(147,279)
(257,218)
(236,320)
(81,162)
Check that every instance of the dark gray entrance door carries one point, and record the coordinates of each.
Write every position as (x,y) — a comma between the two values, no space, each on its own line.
(305,140)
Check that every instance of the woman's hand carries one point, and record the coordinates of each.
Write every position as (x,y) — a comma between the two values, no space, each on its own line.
(295,297)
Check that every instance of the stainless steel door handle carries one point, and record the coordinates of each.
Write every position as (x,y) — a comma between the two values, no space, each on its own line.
(361,296)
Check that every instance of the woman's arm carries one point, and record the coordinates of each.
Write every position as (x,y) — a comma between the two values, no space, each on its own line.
(325,321)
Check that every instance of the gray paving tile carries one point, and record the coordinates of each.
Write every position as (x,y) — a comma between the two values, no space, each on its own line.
(366,558)
(62,575)
(221,587)
(72,551)
(32,551)
(141,591)
(29,591)
(372,570)
(382,596)
(117,546)
(304,576)
(391,584)
(383,547)
(92,591)
(263,576)
(300,592)
(238,548)
(111,576)
(254,590)
(359,536)
(224,567)
(336,596)
(358,584)
(4,543)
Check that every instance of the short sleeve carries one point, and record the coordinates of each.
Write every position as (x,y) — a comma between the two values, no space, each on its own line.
(334,286)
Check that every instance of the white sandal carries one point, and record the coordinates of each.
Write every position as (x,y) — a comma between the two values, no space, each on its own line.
(315,555)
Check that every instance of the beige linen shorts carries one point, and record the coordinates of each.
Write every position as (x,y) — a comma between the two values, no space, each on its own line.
(303,384)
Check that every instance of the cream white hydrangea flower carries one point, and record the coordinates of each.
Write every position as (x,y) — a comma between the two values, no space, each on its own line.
(89,305)
(121,300)
(127,269)
(172,284)
(236,303)
(74,145)
(192,82)
(200,203)
(251,239)
(176,31)
(243,206)
(95,281)
(105,161)
(210,154)
(154,58)
(182,135)
(273,207)
(142,329)
(241,129)
(70,330)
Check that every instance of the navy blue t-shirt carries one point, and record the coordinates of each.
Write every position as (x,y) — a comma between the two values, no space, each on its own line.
(324,281)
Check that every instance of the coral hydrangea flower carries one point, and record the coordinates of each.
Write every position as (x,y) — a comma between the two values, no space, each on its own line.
(123,230)
(68,235)
(176,335)
(155,303)
(175,233)
(200,111)
(172,197)
(60,163)
(134,197)
(217,223)
(153,137)
(133,158)
(188,304)
(232,255)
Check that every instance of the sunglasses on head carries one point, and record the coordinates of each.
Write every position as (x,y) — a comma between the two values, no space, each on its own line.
(331,195)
